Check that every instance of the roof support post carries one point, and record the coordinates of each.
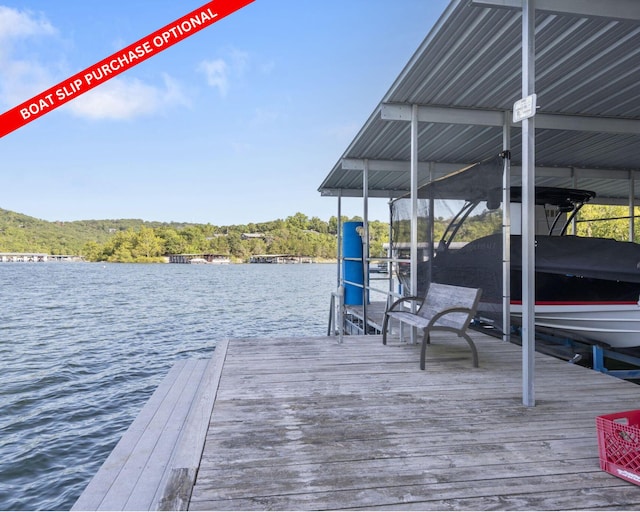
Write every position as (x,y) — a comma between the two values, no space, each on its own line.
(365,243)
(632,205)
(574,184)
(506,229)
(528,208)
(339,240)
(430,235)
(339,320)
(414,208)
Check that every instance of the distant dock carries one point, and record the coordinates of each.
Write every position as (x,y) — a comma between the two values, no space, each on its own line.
(279,258)
(35,257)
(311,424)
(215,259)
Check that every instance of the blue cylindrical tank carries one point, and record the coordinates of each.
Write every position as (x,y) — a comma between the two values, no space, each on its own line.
(352,271)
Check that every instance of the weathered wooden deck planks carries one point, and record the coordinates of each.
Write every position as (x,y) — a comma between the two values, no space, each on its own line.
(307,423)
(155,463)
(312,424)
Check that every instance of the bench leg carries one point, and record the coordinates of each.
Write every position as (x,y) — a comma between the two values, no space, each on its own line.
(474,351)
(427,339)
(385,324)
(423,350)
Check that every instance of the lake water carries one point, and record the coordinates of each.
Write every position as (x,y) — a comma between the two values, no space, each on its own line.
(83,346)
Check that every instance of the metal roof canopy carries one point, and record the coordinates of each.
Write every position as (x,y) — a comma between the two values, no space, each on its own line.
(454,98)
(467,73)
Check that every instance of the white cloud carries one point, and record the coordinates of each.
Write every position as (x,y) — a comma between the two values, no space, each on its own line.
(240,60)
(123,98)
(18,24)
(23,77)
(220,72)
(20,78)
(217,74)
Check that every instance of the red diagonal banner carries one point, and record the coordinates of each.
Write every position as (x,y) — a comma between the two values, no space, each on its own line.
(117,63)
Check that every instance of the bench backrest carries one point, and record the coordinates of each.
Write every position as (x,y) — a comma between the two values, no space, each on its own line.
(443,296)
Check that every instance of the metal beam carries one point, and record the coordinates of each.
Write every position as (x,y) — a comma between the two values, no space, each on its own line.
(612,9)
(579,172)
(429,114)
(357,192)
(478,117)
(442,169)
(357,164)
(588,124)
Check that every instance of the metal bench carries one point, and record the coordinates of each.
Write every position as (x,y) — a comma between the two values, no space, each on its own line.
(445,308)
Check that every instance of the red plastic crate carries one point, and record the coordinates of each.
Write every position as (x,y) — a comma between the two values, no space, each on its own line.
(619,444)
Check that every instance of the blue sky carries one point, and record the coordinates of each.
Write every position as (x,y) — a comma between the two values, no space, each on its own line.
(238,123)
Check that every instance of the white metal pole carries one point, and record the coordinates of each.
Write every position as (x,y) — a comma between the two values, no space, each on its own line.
(632,206)
(391,264)
(414,208)
(528,208)
(340,316)
(574,184)
(432,216)
(339,239)
(365,243)
(506,229)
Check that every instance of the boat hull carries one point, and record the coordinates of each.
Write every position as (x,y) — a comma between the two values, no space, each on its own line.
(617,325)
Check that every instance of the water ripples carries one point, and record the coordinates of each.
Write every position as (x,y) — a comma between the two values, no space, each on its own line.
(83,347)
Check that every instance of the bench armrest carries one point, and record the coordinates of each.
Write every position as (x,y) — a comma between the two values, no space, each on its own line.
(448,311)
(419,300)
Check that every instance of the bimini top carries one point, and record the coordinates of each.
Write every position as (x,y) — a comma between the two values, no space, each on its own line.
(465,78)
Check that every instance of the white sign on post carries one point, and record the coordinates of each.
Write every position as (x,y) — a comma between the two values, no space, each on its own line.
(524,108)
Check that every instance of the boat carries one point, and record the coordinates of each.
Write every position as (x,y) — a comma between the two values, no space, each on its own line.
(587,288)
(210,259)
(216,259)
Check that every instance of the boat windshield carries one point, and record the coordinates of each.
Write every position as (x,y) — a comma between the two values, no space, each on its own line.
(564,203)
(453,211)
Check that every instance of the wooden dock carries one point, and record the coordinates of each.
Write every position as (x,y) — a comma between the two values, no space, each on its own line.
(153,466)
(310,424)
(355,315)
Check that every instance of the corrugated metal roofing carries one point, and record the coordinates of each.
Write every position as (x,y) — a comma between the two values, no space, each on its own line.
(586,66)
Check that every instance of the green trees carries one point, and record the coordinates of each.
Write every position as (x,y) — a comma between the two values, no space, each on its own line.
(173,242)
(131,240)
(297,235)
(142,246)
(606,221)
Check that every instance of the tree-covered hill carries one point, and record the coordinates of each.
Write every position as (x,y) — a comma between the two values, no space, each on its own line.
(22,233)
(138,240)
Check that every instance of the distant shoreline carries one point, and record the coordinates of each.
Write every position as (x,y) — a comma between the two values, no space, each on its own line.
(80,259)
